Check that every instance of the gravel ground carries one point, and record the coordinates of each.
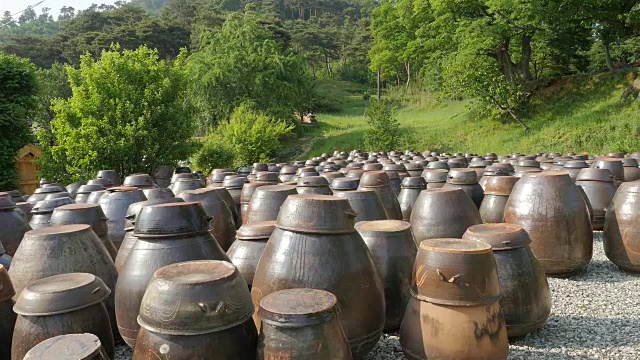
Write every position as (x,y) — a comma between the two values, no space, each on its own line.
(595,315)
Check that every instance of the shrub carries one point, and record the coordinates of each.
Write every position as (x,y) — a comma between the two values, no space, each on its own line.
(383,132)
(18,89)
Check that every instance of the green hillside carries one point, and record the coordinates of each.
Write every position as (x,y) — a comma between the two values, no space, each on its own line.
(579,113)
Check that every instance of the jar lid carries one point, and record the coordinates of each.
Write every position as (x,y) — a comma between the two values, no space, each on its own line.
(60,294)
(58,195)
(394,167)
(48,190)
(500,185)
(267,176)
(259,230)
(595,174)
(47,206)
(499,236)
(313,213)
(86,189)
(435,175)
(345,183)
(313,181)
(5,202)
(69,347)
(374,179)
(298,307)
(462,177)
(629,162)
(382,226)
(139,180)
(575,164)
(171,219)
(414,182)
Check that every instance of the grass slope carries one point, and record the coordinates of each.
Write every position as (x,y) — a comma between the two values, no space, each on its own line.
(580,113)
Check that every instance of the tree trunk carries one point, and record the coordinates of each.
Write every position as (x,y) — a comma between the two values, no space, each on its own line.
(313,70)
(525,60)
(326,59)
(408,66)
(504,59)
(607,56)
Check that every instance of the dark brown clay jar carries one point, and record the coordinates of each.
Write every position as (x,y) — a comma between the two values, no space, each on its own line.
(445,212)
(221,226)
(454,312)
(102,182)
(175,177)
(158,193)
(13,224)
(83,192)
(313,185)
(467,180)
(599,188)
(435,178)
(411,188)
(573,167)
(129,238)
(69,347)
(167,234)
(110,175)
(301,324)
(115,203)
(365,203)
(7,316)
(246,251)
(210,314)
(325,253)
(344,184)
(228,199)
(43,209)
(42,193)
(141,181)
(631,169)
(393,250)
(614,165)
(26,209)
(245,197)
(622,228)
(266,201)
(234,185)
(183,185)
(526,298)
(72,188)
(549,206)
(496,194)
(61,304)
(379,182)
(90,214)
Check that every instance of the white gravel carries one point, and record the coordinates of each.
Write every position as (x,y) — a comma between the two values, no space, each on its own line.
(595,315)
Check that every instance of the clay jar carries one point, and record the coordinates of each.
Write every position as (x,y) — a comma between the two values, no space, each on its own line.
(210,314)
(301,324)
(69,347)
(614,165)
(167,234)
(248,189)
(365,203)
(526,298)
(43,209)
(109,175)
(72,188)
(344,184)
(41,193)
(7,316)
(246,251)
(444,212)
(454,312)
(599,189)
(549,206)
(234,185)
(496,194)
(467,180)
(435,178)
(115,203)
(226,197)
(141,181)
(326,253)
(83,192)
(157,193)
(379,182)
(313,185)
(13,224)
(61,304)
(411,188)
(622,228)
(393,250)
(573,167)
(90,214)
(183,185)
(221,226)
(631,169)
(266,201)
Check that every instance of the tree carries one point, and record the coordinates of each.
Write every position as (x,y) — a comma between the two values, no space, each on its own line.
(128,111)
(7,20)
(27,16)
(243,63)
(384,129)
(18,89)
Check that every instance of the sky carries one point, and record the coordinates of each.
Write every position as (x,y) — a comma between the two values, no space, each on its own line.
(15,6)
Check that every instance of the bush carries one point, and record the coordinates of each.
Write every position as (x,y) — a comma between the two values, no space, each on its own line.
(249,136)
(18,89)
(128,112)
(383,132)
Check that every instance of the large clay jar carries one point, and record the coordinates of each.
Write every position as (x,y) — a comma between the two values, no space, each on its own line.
(228,199)
(111,176)
(41,193)
(94,196)
(496,193)
(325,252)
(157,193)
(83,192)
(301,324)
(365,203)
(5,259)
(552,211)
(129,238)
(162,175)
(234,185)
(141,181)
(573,167)
(115,203)
(183,185)
(379,182)
(344,184)
(266,201)
(72,188)
(435,178)
(61,304)
(454,310)
(393,250)
(245,252)
(631,169)
(196,310)
(26,209)
(248,189)
(622,228)
(444,212)
(221,226)
(7,316)
(410,190)
(526,298)
(43,209)
(467,180)
(599,188)
(69,347)
(13,224)
(167,234)
(90,214)
(313,185)
(614,165)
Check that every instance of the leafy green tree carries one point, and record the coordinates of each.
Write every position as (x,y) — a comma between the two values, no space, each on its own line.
(243,63)
(18,90)
(128,112)
(383,132)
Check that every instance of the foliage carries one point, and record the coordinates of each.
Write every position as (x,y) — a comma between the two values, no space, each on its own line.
(243,63)
(383,132)
(249,136)
(18,89)
(128,112)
